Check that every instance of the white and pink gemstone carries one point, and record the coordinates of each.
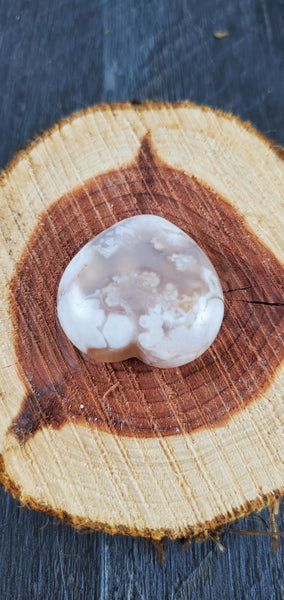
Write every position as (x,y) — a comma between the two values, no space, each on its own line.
(141,288)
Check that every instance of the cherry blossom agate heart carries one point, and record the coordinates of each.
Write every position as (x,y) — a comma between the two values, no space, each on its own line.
(141,288)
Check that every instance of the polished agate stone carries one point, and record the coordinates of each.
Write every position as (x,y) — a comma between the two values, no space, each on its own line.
(141,288)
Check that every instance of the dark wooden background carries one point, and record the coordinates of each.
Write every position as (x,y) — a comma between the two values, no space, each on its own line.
(57,56)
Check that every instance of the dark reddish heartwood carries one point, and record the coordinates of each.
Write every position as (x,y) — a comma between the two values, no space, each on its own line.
(130,398)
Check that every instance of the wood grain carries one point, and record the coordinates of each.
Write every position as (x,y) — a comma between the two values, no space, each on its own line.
(201,394)
(219,456)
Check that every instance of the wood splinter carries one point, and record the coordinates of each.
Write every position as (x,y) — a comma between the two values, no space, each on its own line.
(273,513)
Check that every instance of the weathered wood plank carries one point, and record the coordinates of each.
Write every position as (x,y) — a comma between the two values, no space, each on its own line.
(60,56)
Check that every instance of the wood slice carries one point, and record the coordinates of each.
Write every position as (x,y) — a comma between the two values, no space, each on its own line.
(125,447)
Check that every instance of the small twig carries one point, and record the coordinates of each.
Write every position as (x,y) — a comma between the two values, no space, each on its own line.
(255,532)
(273,512)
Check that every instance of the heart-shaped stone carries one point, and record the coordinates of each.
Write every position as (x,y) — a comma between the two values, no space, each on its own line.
(141,288)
